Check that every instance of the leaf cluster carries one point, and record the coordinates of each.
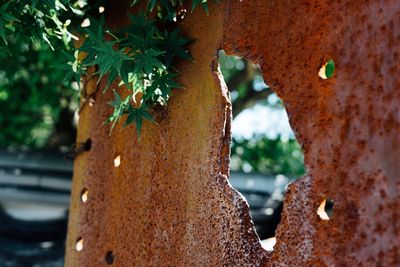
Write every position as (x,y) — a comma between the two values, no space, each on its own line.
(40,20)
(269,156)
(35,105)
(139,56)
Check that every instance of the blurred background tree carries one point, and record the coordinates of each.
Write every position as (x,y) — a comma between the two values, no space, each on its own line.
(36,106)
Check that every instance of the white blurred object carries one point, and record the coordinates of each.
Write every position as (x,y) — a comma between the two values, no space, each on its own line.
(268,244)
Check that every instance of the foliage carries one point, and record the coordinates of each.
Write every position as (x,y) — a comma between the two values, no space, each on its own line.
(329,68)
(38,20)
(269,156)
(32,98)
(140,56)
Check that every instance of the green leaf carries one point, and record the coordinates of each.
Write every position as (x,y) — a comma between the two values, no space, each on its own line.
(140,24)
(174,46)
(112,75)
(168,6)
(147,61)
(4,7)
(8,17)
(329,68)
(203,3)
(126,68)
(164,82)
(134,2)
(147,115)
(142,42)
(103,54)
(120,106)
(136,116)
(196,3)
(151,4)
(3,32)
(50,3)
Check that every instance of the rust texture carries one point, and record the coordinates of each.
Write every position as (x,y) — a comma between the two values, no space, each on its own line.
(169,202)
(348,125)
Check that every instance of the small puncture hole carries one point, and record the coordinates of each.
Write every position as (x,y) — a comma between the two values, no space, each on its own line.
(87,145)
(117,161)
(325,210)
(84,195)
(79,244)
(92,101)
(109,257)
(327,70)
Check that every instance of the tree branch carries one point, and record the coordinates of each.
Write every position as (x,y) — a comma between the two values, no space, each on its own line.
(246,76)
(249,100)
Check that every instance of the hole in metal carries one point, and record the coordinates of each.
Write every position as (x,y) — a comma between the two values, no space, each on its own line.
(327,70)
(325,209)
(92,101)
(268,244)
(117,161)
(88,145)
(109,257)
(79,244)
(84,195)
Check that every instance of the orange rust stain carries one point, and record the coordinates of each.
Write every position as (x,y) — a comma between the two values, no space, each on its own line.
(169,202)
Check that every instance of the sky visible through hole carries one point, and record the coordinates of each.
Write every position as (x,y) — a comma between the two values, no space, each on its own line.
(261,119)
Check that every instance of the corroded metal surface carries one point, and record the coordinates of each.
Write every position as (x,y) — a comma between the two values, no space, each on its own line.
(168,202)
(348,126)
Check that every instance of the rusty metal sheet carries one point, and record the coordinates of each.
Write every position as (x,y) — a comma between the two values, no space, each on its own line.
(348,125)
(165,200)
(168,202)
